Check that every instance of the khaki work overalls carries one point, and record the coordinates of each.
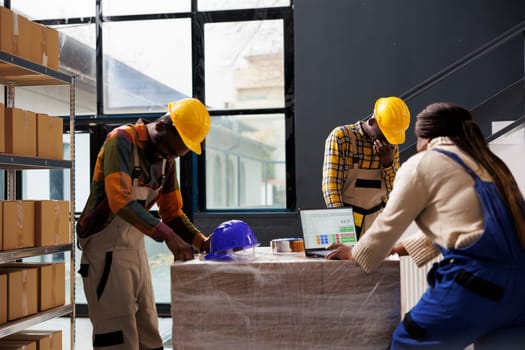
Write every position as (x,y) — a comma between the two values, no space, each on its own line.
(117,281)
(363,190)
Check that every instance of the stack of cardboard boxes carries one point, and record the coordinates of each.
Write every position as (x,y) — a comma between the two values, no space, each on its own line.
(30,134)
(28,40)
(29,288)
(26,289)
(38,223)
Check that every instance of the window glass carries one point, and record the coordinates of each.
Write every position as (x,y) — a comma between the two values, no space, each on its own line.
(244,64)
(54,9)
(144,68)
(245,162)
(77,58)
(133,7)
(208,5)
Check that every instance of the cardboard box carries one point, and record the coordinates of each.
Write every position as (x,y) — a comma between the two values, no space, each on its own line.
(52,286)
(50,143)
(51,280)
(52,223)
(6,30)
(45,340)
(17,345)
(44,45)
(283,302)
(14,33)
(22,298)
(37,47)
(3,299)
(51,56)
(20,132)
(2,128)
(19,224)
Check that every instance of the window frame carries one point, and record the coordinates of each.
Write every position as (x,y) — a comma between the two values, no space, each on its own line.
(192,168)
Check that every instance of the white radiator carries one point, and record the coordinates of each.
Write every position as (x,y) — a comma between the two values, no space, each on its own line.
(413,281)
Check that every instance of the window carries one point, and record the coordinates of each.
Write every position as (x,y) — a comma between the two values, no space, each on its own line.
(245,162)
(244,71)
(244,64)
(147,64)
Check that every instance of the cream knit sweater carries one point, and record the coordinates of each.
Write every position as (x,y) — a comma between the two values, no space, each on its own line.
(438,194)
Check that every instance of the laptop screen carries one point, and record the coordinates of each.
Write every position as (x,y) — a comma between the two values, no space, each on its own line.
(322,227)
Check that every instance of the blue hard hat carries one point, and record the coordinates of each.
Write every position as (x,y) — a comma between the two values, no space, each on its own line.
(229,238)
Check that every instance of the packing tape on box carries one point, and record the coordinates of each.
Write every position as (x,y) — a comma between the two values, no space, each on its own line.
(287,245)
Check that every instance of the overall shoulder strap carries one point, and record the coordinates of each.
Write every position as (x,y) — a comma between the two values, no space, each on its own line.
(350,133)
(458,160)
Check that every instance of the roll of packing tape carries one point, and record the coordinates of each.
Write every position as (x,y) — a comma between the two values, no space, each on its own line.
(287,245)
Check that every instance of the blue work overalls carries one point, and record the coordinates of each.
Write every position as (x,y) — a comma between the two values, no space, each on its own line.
(476,294)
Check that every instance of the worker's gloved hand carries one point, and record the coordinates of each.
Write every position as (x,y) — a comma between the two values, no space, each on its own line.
(385,151)
(180,249)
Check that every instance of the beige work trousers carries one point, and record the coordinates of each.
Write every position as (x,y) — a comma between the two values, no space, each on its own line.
(117,283)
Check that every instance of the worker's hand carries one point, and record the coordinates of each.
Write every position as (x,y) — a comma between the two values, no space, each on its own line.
(399,249)
(179,248)
(341,252)
(206,245)
(385,151)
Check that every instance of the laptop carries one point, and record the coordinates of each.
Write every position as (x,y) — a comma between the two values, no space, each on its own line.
(322,227)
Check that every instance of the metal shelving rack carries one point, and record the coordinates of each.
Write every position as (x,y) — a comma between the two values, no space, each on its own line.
(15,71)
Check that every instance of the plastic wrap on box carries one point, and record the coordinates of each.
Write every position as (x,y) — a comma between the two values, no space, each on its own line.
(283,302)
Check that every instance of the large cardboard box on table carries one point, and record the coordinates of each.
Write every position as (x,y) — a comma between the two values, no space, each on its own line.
(21,292)
(51,223)
(20,132)
(49,131)
(18,224)
(283,302)
(44,339)
(14,33)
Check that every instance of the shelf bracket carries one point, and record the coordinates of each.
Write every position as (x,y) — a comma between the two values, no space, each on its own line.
(10,98)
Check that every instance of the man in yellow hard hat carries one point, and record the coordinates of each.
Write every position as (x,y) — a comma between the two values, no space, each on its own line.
(135,169)
(361,160)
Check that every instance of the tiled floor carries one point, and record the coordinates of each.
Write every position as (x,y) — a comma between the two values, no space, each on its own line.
(83,332)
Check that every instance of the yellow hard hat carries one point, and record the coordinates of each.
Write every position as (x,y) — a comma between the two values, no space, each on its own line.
(192,120)
(393,118)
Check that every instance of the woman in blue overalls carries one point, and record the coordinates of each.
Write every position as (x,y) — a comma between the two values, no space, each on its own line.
(466,203)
